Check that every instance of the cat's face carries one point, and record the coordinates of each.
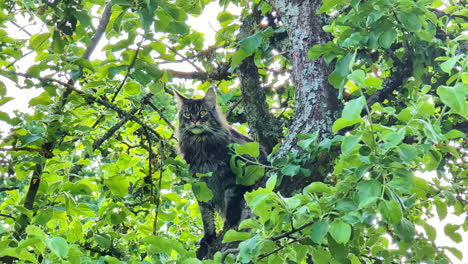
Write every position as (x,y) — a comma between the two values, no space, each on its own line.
(197,116)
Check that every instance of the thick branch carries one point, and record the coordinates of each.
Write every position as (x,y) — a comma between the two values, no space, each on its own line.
(264,127)
(33,187)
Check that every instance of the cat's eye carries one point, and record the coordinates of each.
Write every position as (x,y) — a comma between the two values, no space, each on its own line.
(202,113)
(187,114)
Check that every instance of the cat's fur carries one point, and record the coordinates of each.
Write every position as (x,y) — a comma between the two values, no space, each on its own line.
(204,136)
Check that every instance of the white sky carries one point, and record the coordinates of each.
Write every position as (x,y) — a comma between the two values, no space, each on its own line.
(207,24)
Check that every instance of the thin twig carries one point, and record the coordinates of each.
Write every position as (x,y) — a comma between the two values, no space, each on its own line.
(130,67)
(21,28)
(3,189)
(9,216)
(186,59)
(277,250)
(159,111)
(286,234)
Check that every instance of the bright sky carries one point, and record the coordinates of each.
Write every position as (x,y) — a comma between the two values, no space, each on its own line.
(207,24)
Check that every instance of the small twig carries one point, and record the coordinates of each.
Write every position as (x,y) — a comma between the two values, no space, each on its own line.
(3,189)
(17,59)
(129,69)
(21,28)
(159,111)
(186,59)
(277,250)
(43,152)
(286,234)
(234,106)
(9,216)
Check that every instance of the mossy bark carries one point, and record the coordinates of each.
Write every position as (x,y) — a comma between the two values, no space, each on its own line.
(317,106)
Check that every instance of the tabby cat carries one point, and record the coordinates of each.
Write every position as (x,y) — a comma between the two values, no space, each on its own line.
(204,136)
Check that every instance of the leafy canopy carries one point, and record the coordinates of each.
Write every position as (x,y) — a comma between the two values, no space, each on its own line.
(92,175)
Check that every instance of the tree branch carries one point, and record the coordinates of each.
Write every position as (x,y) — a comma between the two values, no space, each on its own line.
(264,127)
(3,189)
(106,14)
(8,216)
(33,187)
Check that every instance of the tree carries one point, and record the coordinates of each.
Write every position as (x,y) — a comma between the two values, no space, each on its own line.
(355,100)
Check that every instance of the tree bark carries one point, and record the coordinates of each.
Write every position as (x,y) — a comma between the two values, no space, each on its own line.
(317,105)
(265,128)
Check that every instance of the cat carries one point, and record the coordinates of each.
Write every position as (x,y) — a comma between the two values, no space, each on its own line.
(203,137)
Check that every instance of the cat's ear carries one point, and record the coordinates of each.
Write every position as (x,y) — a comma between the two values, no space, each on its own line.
(179,97)
(210,96)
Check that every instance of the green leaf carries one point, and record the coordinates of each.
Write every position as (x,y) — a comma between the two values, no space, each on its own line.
(238,57)
(251,148)
(58,245)
(341,123)
(319,230)
(340,231)
(454,134)
(35,231)
(352,109)
(251,43)
(161,244)
(448,65)
(177,27)
(431,232)
(345,64)
(407,152)
(118,185)
(112,260)
(3,89)
(290,169)
(455,98)
(225,17)
(202,192)
(410,21)
(132,88)
(349,143)
(40,100)
(271,182)
(102,241)
(405,230)
(402,185)
(358,77)
(39,41)
(84,63)
(441,209)
(391,211)
(368,192)
(450,231)
(319,49)
(327,5)
(251,175)
(232,235)
(393,139)
(387,38)
(318,187)
(4,117)
(84,18)
(248,249)
(457,253)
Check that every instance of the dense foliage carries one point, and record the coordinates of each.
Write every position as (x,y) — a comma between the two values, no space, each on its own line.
(92,174)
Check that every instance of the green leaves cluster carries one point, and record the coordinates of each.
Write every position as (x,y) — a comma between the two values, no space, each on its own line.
(113,190)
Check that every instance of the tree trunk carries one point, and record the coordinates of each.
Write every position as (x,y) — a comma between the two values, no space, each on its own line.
(317,105)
